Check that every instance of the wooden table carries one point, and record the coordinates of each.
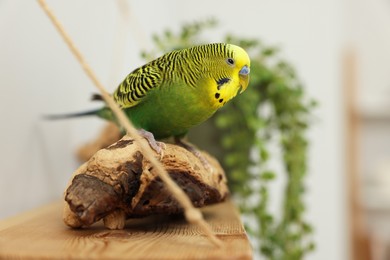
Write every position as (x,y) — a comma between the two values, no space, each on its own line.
(41,234)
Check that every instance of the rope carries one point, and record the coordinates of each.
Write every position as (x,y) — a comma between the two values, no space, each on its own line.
(192,214)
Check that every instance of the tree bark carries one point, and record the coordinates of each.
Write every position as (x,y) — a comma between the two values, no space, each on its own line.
(118,183)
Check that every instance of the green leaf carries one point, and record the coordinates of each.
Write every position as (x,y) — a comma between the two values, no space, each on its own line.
(268,176)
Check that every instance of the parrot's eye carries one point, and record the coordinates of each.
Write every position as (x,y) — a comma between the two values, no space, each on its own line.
(230,61)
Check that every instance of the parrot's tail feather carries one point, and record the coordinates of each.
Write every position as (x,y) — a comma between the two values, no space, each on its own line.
(97,97)
(72,115)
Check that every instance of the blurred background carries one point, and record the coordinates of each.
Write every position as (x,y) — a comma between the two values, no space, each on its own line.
(340,50)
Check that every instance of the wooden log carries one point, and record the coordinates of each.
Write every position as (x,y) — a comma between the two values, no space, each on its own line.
(118,183)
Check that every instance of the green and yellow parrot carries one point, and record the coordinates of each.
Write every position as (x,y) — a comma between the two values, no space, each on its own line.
(181,89)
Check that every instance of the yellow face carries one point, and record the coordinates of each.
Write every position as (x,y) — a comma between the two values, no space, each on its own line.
(231,77)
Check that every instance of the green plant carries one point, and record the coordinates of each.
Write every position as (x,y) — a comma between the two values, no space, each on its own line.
(272,110)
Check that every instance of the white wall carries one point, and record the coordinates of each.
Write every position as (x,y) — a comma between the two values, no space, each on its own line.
(39,76)
(369,34)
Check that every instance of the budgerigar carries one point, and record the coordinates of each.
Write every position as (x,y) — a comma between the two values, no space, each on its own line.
(182,88)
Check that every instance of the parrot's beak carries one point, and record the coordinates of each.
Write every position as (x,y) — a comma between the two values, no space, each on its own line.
(244,78)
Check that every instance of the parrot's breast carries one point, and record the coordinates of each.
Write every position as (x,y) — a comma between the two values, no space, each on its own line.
(171,110)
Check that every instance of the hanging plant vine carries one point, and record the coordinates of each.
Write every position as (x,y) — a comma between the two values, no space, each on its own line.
(245,134)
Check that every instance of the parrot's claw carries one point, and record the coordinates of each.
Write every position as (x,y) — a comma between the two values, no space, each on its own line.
(158,147)
(206,164)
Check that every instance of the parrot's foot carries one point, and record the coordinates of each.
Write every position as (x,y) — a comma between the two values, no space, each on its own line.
(195,152)
(158,147)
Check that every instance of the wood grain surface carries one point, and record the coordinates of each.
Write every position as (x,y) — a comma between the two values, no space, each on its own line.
(41,234)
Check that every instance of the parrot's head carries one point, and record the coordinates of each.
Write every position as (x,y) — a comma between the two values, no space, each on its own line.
(232,73)
(225,69)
